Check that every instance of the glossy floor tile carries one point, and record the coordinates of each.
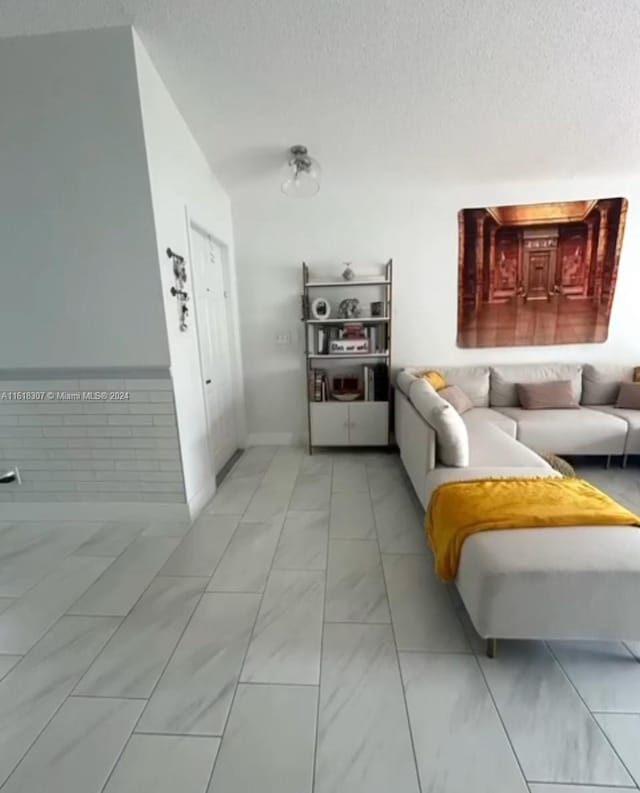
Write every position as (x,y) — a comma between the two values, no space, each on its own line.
(295,639)
(7,662)
(349,476)
(623,730)
(246,562)
(269,502)
(424,617)
(352,517)
(112,539)
(195,691)
(544,788)
(117,590)
(135,656)
(254,461)
(606,674)
(200,551)
(303,541)
(29,552)
(311,491)
(254,755)
(79,747)
(27,620)
(285,647)
(555,737)
(355,584)
(36,687)
(459,740)
(364,743)
(234,495)
(164,764)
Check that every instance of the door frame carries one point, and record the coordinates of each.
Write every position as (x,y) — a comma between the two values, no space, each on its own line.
(228,274)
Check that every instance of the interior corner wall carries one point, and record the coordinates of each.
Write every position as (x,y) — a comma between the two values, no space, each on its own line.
(185,190)
(79,267)
(367,219)
(80,303)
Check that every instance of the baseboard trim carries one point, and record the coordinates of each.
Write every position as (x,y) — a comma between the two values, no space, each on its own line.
(200,500)
(95,510)
(271,439)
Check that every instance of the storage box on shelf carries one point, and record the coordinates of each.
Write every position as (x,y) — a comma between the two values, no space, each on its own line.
(347,361)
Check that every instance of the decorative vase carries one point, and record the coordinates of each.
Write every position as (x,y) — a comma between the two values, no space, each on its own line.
(348,273)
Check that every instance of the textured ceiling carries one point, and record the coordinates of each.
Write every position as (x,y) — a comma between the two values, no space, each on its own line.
(411,90)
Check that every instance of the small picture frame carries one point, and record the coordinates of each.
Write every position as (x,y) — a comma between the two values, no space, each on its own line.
(321,308)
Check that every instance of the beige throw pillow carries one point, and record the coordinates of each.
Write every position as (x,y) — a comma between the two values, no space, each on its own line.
(545,396)
(629,396)
(456,397)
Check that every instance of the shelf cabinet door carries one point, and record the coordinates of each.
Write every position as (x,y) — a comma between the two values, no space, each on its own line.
(368,423)
(329,424)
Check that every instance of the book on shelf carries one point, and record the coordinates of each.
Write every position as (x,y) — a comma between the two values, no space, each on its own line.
(352,338)
(318,386)
(375,383)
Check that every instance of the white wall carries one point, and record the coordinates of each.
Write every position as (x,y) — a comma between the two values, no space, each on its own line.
(79,267)
(183,185)
(367,221)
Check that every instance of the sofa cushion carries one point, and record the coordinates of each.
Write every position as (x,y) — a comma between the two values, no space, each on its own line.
(450,429)
(629,396)
(473,380)
(632,417)
(557,583)
(601,382)
(489,446)
(504,380)
(491,416)
(581,431)
(456,396)
(543,396)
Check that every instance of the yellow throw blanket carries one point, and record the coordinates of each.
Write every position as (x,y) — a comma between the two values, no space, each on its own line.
(459,509)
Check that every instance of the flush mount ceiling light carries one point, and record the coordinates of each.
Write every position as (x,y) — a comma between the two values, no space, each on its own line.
(302,178)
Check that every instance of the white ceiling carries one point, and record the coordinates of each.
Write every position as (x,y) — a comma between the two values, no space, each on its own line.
(411,90)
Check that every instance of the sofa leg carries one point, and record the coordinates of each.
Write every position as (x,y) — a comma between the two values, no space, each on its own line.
(625,460)
(492,646)
(608,463)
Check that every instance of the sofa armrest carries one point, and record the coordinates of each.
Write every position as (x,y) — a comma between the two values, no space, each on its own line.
(417,442)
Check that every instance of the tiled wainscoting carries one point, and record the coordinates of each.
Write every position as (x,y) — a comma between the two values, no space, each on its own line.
(90,449)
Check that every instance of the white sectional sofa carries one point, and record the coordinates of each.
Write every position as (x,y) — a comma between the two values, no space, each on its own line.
(557,583)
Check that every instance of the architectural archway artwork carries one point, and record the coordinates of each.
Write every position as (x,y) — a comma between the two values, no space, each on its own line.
(535,274)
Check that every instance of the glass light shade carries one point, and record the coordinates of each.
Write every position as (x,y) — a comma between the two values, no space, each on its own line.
(302,176)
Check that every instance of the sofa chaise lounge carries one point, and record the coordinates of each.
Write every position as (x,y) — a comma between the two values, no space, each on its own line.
(580,582)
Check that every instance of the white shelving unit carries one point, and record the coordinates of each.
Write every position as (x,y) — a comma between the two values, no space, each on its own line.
(361,422)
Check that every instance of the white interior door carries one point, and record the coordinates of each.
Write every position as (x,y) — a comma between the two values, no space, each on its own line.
(211,297)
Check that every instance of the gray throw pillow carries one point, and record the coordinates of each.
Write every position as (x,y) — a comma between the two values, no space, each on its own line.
(545,396)
(456,396)
(629,396)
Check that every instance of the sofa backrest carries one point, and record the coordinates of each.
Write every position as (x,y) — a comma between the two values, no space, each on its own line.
(504,380)
(473,380)
(601,382)
(495,386)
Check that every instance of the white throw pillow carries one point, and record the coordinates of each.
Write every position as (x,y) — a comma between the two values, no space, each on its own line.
(450,429)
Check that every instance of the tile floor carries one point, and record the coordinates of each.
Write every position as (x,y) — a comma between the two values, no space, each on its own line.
(294,639)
